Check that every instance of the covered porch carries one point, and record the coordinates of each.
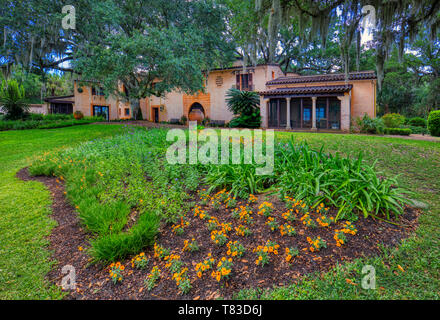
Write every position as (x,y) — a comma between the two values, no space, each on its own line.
(307,108)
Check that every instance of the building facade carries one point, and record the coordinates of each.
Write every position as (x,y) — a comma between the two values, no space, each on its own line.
(287,101)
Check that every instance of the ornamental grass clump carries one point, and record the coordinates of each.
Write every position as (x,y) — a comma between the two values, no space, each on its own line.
(350,185)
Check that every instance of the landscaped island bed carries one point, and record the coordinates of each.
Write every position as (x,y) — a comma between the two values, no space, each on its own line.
(139,227)
(365,237)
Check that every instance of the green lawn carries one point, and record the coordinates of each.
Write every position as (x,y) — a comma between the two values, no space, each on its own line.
(24,221)
(25,206)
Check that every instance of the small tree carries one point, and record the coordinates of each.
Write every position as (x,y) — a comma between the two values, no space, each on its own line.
(245,105)
(12,100)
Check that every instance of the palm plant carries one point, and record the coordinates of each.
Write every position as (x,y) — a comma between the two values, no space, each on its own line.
(245,106)
(12,100)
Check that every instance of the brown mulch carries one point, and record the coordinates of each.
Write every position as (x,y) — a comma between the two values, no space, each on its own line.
(93,280)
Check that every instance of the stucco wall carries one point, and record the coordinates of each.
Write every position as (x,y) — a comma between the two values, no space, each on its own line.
(84,102)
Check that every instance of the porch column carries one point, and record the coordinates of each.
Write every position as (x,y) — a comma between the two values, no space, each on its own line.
(288,113)
(313,113)
(264,112)
(345,112)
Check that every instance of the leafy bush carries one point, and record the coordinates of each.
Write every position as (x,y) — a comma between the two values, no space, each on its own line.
(13,100)
(245,121)
(370,125)
(398,131)
(393,120)
(434,123)
(36,116)
(58,116)
(417,130)
(417,122)
(245,106)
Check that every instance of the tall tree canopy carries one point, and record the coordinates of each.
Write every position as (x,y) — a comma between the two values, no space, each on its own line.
(157,46)
(394,24)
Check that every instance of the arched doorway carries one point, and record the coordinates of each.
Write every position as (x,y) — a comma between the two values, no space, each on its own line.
(196,112)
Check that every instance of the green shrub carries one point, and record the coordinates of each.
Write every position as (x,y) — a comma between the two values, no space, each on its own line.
(417,130)
(393,120)
(417,122)
(13,100)
(58,116)
(398,131)
(434,123)
(246,121)
(36,116)
(370,125)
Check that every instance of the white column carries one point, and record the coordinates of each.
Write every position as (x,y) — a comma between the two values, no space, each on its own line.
(345,112)
(313,113)
(288,113)
(263,112)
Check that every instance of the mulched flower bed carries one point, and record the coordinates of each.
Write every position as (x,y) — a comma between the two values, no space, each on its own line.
(69,243)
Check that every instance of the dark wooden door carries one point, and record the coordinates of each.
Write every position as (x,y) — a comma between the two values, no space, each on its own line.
(156,115)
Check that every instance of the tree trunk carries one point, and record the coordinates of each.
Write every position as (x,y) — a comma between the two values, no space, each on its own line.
(135,106)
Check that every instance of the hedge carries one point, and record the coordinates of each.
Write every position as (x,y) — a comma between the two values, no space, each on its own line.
(398,131)
(434,123)
(417,122)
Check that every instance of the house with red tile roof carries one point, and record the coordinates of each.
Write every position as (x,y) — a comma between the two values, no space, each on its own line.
(287,101)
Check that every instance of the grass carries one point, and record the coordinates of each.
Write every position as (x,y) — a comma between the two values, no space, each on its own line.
(25,257)
(25,209)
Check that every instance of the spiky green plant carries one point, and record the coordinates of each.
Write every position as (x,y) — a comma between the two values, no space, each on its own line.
(245,106)
(12,100)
